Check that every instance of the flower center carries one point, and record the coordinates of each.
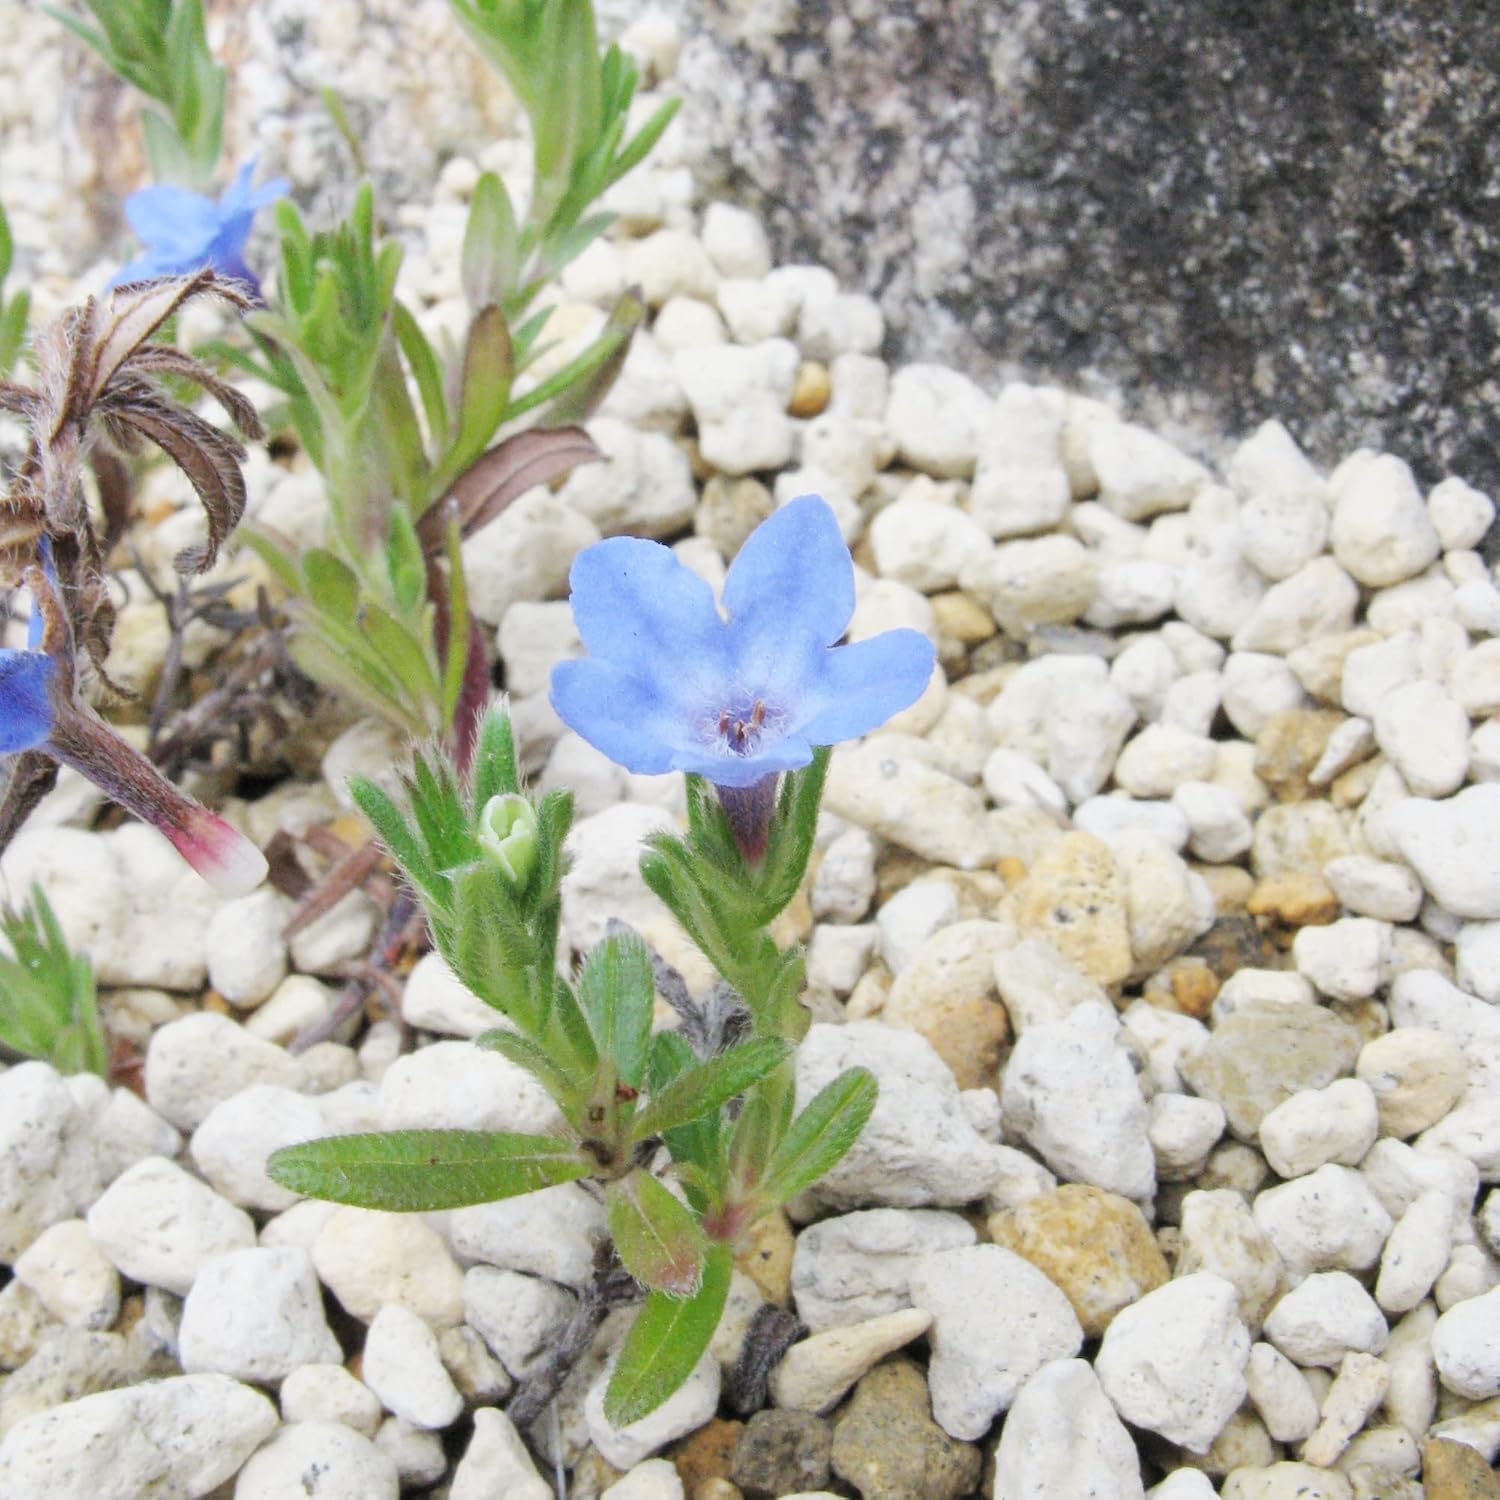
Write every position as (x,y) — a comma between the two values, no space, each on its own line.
(740,731)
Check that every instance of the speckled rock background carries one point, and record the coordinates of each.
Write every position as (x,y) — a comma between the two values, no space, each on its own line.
(1229,210)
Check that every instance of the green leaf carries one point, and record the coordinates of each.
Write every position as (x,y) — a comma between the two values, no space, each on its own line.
(456,656)
(693,1145)
(483,394)
(820,1136)
(423,364)
(421,1171)
(405,562)
(701,1089)
(397,836)
(537,1061)
(7,245)
(618,993)
(491,253)
(657,1237)
(666,1341)
(495,771)
(639,147)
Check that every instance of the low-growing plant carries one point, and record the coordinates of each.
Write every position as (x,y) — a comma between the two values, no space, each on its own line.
(49,1008)
(691,1133)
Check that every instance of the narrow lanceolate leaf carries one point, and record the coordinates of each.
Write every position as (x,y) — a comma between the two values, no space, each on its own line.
(412,1171)
(819,1137)
(617,993)
(506,472)
(666,1341)
(700,1090)
(656,1235)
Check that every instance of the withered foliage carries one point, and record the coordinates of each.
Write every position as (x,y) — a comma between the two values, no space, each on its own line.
(96,398)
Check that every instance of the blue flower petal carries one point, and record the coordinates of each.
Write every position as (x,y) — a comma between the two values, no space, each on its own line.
(622,716)
(859,687)
(789,753)
(640,609)
(25,702)
(792,574)
(173,222)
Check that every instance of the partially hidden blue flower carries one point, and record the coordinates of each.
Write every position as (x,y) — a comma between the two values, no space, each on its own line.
(38,712)
(26,679)
(184,232)
(671,685)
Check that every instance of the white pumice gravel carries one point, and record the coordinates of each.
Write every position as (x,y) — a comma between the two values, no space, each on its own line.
(1261,697)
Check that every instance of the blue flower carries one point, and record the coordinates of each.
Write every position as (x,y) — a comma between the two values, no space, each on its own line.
(184,232)
(670,685)
(26,691)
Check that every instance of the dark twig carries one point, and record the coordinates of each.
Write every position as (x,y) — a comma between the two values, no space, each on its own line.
(611,1287)
(405,928)
(350,871)
(773,1330)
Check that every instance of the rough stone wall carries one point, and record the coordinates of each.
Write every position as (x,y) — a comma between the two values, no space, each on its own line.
(1239,208)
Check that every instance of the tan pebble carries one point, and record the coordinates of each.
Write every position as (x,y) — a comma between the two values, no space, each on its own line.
(811,390)
(1455,1471)
(1095,1246)
(766,1257)
(815,1373)
(948,995)
(717,1488)
(1289,745)
(1229,885)
(868,996)
(1074,897)
(1294,899)
(962,617)
(1194,986)
(1350,789)
(706,1455)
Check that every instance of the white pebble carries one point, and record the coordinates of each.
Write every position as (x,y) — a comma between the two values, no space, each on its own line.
(1425,734)
(70,1276)
(1281,1394)
(401,1364)
(996,1321)
(230,1147)
(1417,1252)
(1466,1347)
(1174,1361)
(247,955)
(158,1225)
(1381,531)
(496,1463)
(1346,960)
(329,1393)
(1450,844)
(1328,1219)
(1371,887)
(1063,1437)
(1324,1318)
(1316,1126)
(1071,1095)
(256,1315)
(1256,687)
(345,1465)
(1460,513)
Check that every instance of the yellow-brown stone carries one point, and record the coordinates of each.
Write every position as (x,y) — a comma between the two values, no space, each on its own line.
(1294,900)
(1193,986)
(1074,898)
(810,390)
(765,1256)
(707,1453)
(1095,1246)
(1455,1471)
(962,618)
(1288,747)
(948,995)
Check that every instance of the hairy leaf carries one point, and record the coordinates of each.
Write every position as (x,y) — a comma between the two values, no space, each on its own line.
(666,1341)
(412,1171)
(657,1237)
